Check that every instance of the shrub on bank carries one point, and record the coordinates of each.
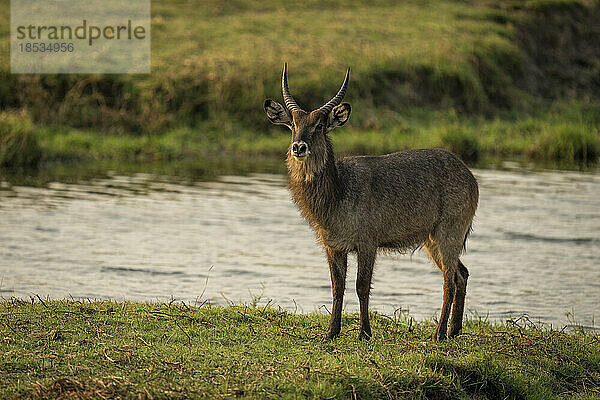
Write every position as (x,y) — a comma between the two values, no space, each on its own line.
(463,142)
(19,146)
(568,143)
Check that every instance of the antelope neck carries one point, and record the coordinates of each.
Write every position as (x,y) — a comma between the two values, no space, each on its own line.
(316,195)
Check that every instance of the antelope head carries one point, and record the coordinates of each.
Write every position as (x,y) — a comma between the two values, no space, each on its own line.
(309,130)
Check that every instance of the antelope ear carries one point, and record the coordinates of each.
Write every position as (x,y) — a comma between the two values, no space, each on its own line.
(338,116)
(277,114)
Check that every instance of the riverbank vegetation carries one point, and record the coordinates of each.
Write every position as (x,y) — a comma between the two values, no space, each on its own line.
(485,79)
(105,349)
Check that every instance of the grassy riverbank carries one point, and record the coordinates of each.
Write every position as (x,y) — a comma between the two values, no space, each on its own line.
(485,79)
(71,349)
(564,137)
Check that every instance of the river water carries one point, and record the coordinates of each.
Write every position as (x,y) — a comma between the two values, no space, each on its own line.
(535,248)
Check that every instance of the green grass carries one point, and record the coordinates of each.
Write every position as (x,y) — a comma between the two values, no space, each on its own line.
(484,79)
(222,56)
(557,138)
(18,143)
(73,349)
(219,59)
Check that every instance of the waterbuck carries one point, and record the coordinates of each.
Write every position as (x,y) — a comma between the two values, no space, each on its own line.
(406,200)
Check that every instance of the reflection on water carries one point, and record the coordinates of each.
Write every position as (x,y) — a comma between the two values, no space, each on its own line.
(535,248)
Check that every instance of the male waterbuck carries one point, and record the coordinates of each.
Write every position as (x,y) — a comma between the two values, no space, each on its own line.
(406,200)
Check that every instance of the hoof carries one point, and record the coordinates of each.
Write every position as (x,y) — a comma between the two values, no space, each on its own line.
(364,335)
(454,332)
(329,336)
(439,336)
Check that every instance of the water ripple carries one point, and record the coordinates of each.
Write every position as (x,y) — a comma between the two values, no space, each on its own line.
(534,250)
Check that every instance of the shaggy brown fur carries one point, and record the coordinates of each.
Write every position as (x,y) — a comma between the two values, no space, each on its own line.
(416,198)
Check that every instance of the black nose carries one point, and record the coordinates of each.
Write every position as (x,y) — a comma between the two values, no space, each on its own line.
(299,149)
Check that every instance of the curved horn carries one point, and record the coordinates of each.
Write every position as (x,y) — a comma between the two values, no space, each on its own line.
(337,99)
(290,103)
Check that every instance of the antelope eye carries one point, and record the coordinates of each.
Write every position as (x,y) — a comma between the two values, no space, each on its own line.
(318,128)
